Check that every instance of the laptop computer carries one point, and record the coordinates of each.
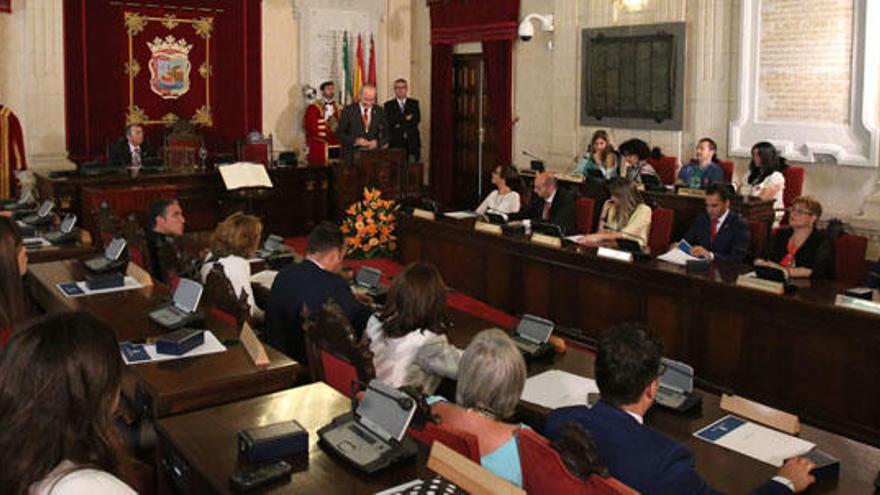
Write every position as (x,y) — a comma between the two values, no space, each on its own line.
(373,435)
(676,389)
(65,233)
(368,279)
(21,203)
(110,260)
(531,336)
(181,311)
(43,216)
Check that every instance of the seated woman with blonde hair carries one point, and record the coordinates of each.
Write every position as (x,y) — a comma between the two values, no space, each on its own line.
(801,251)
(624,216)
(233,243)
(491,377)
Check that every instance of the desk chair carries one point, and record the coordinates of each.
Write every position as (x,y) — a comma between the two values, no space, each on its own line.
(666,167)
(758,237)
(336,357)
(585,208)
(220,298)
(794,187)
(466,444)
(727,167)
(544,473)
(255,148)
(850,266)
(661,230)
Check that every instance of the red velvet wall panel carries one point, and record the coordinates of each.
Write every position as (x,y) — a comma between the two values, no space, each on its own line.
(5,5)
(99,90)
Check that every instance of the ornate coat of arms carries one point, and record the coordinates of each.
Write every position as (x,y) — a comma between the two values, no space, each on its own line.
(169,67)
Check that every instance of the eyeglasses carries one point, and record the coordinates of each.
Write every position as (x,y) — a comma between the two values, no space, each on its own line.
(799,211)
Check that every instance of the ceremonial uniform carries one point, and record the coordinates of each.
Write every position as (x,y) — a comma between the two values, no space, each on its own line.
(320,122)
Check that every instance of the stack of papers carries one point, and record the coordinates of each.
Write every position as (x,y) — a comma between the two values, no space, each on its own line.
(677,257)
(756,441)
(553,389)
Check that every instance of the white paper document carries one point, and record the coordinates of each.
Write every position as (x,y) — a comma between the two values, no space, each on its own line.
(36,243)
(553,389)
(756,441)
(676,257)
(461,215)
(265,278)
(134,353)
(244,174)
(575,238)
(80,289)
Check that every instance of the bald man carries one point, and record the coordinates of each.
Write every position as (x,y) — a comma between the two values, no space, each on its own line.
(550,205)
(362,125)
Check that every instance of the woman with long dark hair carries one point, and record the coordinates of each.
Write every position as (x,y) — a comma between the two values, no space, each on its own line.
(13,265)
(59,388)
(504,199)
(766,179)
(599,155)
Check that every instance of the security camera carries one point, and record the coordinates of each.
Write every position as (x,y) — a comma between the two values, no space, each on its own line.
(526,30)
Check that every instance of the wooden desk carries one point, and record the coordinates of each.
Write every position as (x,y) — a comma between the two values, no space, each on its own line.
(686,208)
(202,444)
(797,352)
(203,197)
(82,247)
(169,387)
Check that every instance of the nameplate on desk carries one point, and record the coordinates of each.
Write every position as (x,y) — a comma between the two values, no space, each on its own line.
(760,284)
(255,349)
(688,191)
(546,240)
(487,228)
(139,274)
(857,304)
(615,254)
(423,214)
(579,179)
(766,415)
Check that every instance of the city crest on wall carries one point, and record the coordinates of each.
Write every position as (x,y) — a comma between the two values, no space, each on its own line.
(169,67)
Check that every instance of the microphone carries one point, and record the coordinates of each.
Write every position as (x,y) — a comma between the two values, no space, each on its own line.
(534,157)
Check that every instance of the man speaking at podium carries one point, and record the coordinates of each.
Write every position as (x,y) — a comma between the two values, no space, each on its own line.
(362,125)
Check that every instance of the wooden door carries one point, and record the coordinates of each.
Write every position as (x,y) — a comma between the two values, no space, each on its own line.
(474,140)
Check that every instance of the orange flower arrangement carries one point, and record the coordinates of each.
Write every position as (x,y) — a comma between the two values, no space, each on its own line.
(369,226)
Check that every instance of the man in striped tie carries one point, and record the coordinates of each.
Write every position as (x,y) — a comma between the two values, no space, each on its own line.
(362,125)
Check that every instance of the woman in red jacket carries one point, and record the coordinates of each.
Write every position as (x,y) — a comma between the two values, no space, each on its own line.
(13,265)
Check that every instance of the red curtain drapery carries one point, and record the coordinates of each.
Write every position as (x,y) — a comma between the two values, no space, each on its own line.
(97,84)
(494,23)
(5,5)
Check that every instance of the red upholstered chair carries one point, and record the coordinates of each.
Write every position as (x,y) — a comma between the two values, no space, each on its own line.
(544,473)
(666,167)
(794,184)
(585,211)
(336,356)
(256,148)
(661,230)
(849,252)
(727,167)
(460,441)
(758,237)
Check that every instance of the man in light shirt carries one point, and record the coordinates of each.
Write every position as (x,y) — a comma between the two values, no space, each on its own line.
(130,151)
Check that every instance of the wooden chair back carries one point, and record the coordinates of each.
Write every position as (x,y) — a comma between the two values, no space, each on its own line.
(220,297)
(335,355)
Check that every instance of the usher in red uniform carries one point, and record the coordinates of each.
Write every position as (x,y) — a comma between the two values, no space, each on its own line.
(320,130)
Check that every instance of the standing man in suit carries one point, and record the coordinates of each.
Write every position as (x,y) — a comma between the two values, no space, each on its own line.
(720,233)
(310,284)
(130,151)
(550,205)
(627,367)
(362,125)
(403,117)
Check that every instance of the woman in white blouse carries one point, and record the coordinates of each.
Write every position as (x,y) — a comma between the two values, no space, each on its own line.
(408,338)
(59,389)
(765,179)
(233,243)
(504,199)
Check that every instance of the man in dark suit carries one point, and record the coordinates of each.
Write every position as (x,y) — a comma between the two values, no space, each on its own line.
(627,366)
(720,233)
(549,205)
(403,116)
(130,151)
(362,125)
(164,240)
(310,284)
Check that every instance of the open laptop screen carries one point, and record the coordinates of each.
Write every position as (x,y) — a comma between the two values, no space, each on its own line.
(534,329)
(114,249)
(677,376)
(45,208)
(368,277)
(384,415)
(187,295)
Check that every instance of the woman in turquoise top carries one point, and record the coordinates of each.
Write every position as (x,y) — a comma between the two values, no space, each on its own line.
(491,377)
(600,155)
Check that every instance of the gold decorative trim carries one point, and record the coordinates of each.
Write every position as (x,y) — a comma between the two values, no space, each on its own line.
(136,115)
(204,26)
(170,119)
(133,68)
(170,21)
(135,23)
(206,70)
(203,117)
